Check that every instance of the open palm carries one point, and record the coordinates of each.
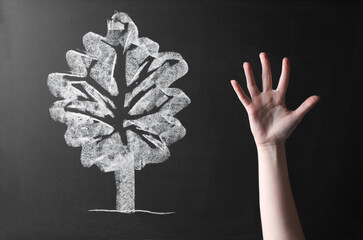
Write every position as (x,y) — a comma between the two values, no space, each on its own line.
(270,120)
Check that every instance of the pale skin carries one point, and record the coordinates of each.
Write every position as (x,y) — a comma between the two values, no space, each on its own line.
(271,124)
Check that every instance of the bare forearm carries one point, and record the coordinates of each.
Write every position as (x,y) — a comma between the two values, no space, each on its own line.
(279,216)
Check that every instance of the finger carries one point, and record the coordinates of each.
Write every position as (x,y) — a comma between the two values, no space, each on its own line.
(240,93)
(266,72)
(285,75)
(305,107)
(251,84)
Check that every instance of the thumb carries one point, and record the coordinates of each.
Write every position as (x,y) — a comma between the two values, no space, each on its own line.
(305,107)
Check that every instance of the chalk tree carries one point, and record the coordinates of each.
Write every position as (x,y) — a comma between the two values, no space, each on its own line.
(118,105)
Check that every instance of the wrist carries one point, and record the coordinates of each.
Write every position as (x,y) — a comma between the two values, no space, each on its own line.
(274,151)
(271,146)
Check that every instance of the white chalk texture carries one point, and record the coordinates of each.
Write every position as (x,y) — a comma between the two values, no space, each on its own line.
(117,104)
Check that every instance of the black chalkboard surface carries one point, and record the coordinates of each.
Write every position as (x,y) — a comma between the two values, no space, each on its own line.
(210,178)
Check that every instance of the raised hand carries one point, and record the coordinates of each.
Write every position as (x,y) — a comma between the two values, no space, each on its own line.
(271,124)
(270,120)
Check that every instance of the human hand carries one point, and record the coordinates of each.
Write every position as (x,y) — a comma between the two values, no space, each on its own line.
(270,120)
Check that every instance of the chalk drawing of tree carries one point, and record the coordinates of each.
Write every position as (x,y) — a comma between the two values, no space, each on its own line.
(117,104)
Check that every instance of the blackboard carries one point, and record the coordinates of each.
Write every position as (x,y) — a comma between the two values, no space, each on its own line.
(210,180)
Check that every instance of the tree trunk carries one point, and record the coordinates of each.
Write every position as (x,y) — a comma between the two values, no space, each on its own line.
(125,187)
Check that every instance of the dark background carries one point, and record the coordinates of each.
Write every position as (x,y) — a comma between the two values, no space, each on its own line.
(211,177)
